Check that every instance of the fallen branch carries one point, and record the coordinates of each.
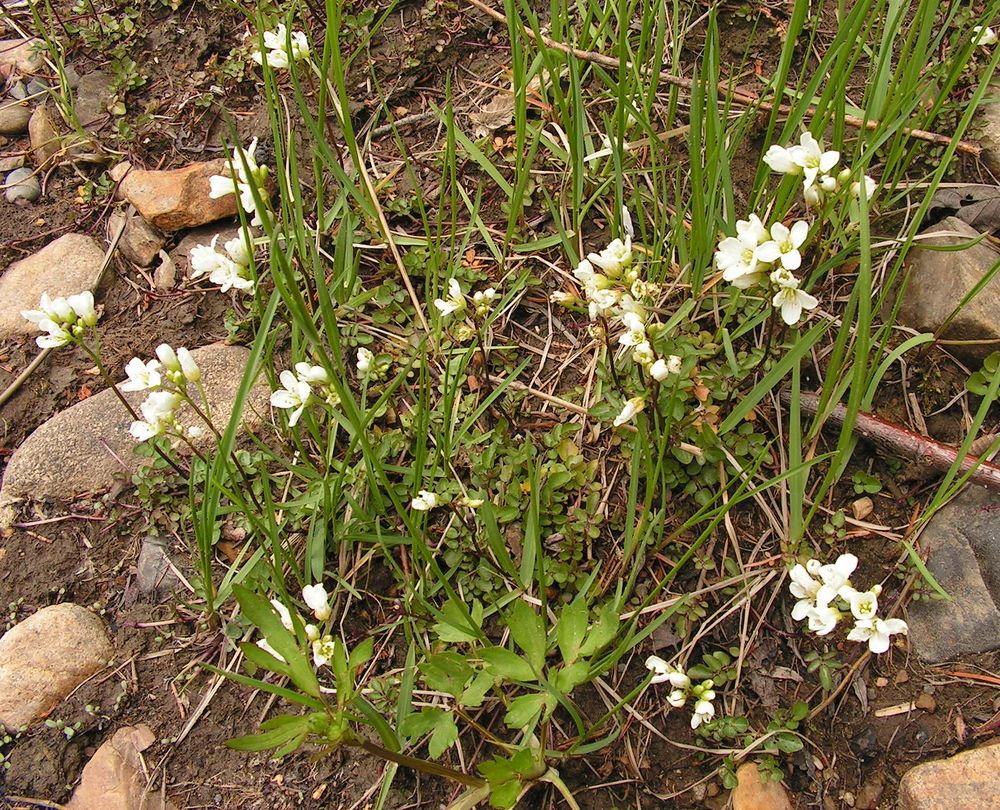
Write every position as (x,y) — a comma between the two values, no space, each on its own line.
(737,93)
(932,455)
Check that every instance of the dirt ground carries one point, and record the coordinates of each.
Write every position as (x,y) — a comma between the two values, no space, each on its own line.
(86,552)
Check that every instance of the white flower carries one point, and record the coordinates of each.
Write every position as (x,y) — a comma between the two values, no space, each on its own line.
(870,185)
(425,501)
(312,632)
(455,300)
(615,257)
(168,357)
(58,335)
(984,36)
(283,614)
(365,359)
(563,298)
(643,354)
(276,43)
(602,301)
(585,274)
(316,598)
(189,368)
(294,394)
(813,159)
(836,577)
(782,160)
(205,258)
(232,276)
(662,369)
(239,251)
(635,330)
(158,415)
(632,407)
(864,604)
(877,632)
(243,181)
(483,299)
(83,305)
(738,257)
(194,432)
(784,245)
(262,643)
(49,310)
(141,375)
(704,711)
(666,672)
(823,618)
(805,589)
(314,375)
(813,196)
(323,650)
(792,301)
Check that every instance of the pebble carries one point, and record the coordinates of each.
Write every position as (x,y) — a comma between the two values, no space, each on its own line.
(966,781)
(45,140)
(114,778)
(20,56)
(45,657)
(926,702)
(864,744)
(18,91)
(177,199)
(36,87)
(141,243)
(21,187)
(14,117)
(11,162)
(93,93)
(66,266)
(153,572)
(751,793)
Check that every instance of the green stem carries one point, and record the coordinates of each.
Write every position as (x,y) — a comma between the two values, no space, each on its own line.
(418,764)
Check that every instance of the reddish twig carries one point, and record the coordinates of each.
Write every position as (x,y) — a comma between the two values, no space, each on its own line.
(932,455)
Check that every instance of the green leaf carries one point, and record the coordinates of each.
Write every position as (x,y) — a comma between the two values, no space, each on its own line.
(525,711)
(447,672)
(475,692)
(568,678)
(507,664)
(571,629)
(439,723)
(788,743)
(279,731)
(602,632)
(454,628)
(361,654)
(528,632)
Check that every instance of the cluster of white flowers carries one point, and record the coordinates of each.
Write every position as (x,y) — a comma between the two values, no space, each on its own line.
(825,596)
(425,501)
(230,270)
(318,601)
(166,378)
(64,320)
(985,36)
(702,694)
(371,365)
(242,182)
(297,389)
(456,301)
(277,43)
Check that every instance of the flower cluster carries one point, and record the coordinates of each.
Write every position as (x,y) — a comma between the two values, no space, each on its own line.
(230,270)
(825,597)
(371,365)
(65,320)
(277,43)
(166,378)
(758,252)
(456,302)
(318,601)
(297,390)
(807,158)
(984,36)
(246,177)
(702,694)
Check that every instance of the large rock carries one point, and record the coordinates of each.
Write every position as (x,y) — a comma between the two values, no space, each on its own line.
(69,265)
(46,657)
(20,55)
(753,793)
(988,132)
(963,546)
(177,199)
(938,281)
(93,93)
(14,117)
(85,447)
(966,781)
(113,779)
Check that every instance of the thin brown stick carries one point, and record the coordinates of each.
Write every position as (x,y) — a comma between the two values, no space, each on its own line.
(935,456)
(736,93)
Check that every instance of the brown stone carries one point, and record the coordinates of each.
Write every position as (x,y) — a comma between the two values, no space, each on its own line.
(751,793)
(141,243)
(20,55)
(46,657)
(966,781)
(14,116)
(177,199)
(113,779)
(46,143)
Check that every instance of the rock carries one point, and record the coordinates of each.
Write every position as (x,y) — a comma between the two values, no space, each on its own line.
(989,134)
(93,92)
(177,199)
(165,275)
(153,572)
(46,657)
(87,446)
(18,91)
(21,187)
(114,780)
(963,546)
(751,793)
(938,281)
(140,242)
(36,88)
(926,702)
(865,744)
(11,162)
(966,781)
(45,140)
(14,117)
(21,56)
(119,170)
(70,264)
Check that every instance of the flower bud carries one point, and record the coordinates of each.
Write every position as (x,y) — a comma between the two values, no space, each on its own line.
(168,357)
(189,368)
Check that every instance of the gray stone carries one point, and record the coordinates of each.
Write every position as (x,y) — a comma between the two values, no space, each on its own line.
(140,242)
(93,93)
(87,446)
(21,187)
(46,657)
(14,117)
(165,274)
(962,542)
(153,572)
(988,132)
(118,172)
(966,781)
(114,780)
(177,199)
(69,265)
(46,143)
(36,88)
(938,281)
(18,91)
(11,162)
(21,56)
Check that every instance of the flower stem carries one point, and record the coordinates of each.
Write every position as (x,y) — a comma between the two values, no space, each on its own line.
(418,764)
